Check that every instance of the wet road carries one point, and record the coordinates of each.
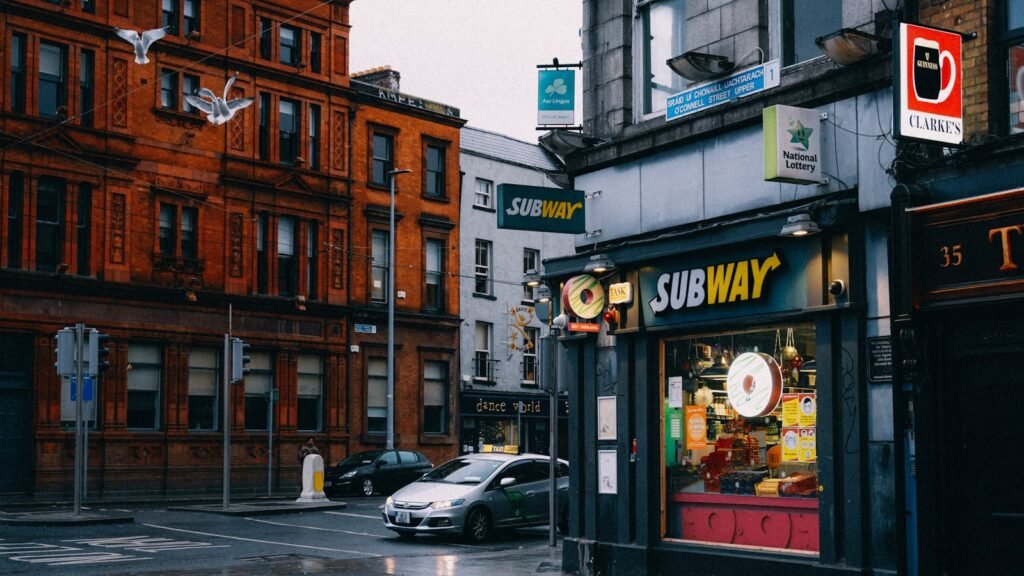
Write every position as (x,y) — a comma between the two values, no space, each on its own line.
(348,541)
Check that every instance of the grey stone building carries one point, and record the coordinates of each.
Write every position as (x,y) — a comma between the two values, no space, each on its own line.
(718,270)
(502,398)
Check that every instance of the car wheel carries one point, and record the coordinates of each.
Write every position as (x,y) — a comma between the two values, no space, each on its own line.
(478,525)
(368,487)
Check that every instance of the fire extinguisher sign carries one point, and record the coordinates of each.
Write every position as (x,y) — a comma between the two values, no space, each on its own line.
(930,73)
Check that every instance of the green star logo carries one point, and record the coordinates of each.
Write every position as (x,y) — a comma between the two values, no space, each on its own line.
(801,135)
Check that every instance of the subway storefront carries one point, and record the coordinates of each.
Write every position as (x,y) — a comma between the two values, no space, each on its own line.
(717,420)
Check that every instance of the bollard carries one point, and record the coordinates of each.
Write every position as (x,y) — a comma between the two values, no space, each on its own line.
(312,480)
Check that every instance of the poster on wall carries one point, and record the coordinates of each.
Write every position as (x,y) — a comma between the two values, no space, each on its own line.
(675,391)
(606,429)
(808,409)
(808,449)
(790,409)
(929,73)
(790,444)
(696,428)
(607,481)
(1016,89)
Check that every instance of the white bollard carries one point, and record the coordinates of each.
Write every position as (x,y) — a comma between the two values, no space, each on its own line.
(313,480)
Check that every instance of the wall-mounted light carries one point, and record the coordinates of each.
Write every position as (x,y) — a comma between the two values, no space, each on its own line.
(561,143)
(300,302)
(700,66)
(849,45)
(531,279)
(190,295)
(542,293)
(599,263)
(799,225)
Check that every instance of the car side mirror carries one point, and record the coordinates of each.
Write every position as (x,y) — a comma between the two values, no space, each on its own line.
(379,463)
(506,482)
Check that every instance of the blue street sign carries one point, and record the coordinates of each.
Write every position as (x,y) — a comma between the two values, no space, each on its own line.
(366,329)
(86,389)
(710,94)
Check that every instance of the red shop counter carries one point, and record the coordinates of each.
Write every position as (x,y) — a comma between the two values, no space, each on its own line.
(782,523)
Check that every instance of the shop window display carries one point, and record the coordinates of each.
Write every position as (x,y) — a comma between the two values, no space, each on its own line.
(739,438)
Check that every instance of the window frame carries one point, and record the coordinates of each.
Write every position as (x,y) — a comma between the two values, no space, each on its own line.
(86,87)
(434,302)
(1001,105)
(312,259)
(483,284)
(61,82)
(374,379)
(83,229)
(169,89)
(217,379)
(531,265)
(171,18)
(139,368)
(434,171)
(384,237)
(258,374)
(193,23)
(287,264)
(289,142)
(262,253)
(788,33)
(266,103)
(483,355)
(19,72)
(319,398)
(15,219)
(530,363)
(177,237)
(650,60)
(488,195)
(56,228)
(294,49)
(386,163)
(266,41)
(444,381)
(313,141)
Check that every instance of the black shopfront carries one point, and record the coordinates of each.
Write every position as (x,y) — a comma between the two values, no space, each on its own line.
(685,483)
(518,421)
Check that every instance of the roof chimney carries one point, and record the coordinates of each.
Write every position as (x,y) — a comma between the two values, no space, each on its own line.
(382,76)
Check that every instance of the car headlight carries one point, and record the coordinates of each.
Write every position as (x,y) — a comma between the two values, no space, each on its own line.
(349,474)
(447,503)
(389,501)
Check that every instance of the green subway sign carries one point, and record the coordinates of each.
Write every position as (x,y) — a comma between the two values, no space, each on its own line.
(541,209)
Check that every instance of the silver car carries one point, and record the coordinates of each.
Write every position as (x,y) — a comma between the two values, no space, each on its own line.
(476,494)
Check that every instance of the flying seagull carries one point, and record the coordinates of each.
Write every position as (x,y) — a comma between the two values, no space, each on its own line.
(141,42)
(218,110)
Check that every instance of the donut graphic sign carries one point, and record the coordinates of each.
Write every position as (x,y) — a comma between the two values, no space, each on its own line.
(583,296)
(754,384)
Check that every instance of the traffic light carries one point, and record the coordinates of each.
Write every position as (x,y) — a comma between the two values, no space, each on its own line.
(65,352)
(239,360)
(99,354)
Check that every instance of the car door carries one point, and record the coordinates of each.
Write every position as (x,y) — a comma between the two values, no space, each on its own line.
(536,490)
(509,503)
(410,467)
(387,471)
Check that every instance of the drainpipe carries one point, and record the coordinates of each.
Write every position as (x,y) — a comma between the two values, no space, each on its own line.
(348,293)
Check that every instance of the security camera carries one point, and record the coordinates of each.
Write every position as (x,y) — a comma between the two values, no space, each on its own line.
(837,288)
(560,321)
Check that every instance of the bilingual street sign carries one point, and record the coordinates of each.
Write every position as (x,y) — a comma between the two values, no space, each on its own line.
(710,94)
(556,97)
(366,328)
(541,209)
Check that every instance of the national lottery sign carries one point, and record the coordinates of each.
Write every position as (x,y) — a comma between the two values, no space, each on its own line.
(708,95)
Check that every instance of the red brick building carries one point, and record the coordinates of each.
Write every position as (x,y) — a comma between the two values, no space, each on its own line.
(123,208)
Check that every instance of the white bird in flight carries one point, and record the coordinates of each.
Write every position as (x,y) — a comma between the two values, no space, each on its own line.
(218,110)
(141,42)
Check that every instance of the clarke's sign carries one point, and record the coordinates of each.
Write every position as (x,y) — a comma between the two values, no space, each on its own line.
(930,73)
(540,209)
(792,145)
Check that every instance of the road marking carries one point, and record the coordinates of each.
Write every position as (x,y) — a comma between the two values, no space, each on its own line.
(240,539)
(145,544)
(313,528)
(353,515)
(53,555)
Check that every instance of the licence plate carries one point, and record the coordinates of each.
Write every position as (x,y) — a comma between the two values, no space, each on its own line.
(402,517)
(327,484)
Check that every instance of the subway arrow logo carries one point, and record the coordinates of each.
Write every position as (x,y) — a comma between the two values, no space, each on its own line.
(736,281)
(541,209)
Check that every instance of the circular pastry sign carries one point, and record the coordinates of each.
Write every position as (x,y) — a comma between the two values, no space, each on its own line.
(583,296)
(754,384)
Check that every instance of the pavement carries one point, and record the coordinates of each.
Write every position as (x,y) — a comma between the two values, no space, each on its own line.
(62,514)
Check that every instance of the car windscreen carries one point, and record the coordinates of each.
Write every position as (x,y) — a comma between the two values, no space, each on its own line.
(360,459)
(463,471)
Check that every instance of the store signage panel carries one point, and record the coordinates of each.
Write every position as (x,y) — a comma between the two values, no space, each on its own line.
(710,94)
(556,97)
(930,77)
(792,144)
(620,293)
(725,283)
(969,248)
(505,405)
(880,359)
(541,209)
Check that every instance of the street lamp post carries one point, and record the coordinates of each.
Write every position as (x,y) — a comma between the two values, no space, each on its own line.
(391,311)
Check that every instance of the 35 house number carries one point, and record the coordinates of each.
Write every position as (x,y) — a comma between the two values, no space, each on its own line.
(951,256)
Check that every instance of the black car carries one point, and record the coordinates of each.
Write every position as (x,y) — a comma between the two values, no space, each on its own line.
(375,472)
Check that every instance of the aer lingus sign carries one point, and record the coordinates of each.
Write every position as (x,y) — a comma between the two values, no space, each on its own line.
(540,209)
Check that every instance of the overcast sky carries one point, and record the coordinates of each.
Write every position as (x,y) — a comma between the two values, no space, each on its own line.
(477,55)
